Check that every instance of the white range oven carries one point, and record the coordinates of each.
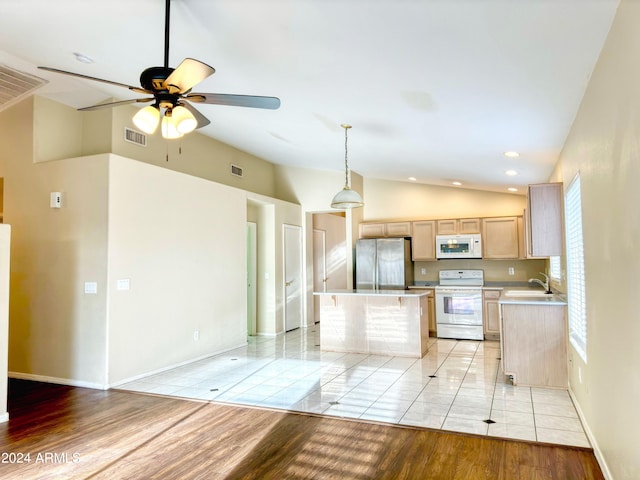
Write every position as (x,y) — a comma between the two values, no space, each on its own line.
(459,304)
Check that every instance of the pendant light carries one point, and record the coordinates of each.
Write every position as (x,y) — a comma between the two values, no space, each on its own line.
(346,198)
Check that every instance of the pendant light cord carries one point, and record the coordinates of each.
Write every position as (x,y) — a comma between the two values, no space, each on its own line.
(346,162)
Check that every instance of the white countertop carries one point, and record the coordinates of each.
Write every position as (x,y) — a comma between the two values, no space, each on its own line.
(389,293)
(555,299)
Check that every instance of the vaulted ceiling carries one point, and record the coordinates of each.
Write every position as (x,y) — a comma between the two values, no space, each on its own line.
(435,89)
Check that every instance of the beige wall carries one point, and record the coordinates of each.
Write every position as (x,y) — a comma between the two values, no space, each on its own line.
(63,132)
(387,200)
(271,215)
(494,270)
(57,332)
(334,227)
(603,146)
(121,219)
(5,251)
(180,241)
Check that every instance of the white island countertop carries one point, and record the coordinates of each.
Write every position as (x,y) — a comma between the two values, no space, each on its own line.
(369,292)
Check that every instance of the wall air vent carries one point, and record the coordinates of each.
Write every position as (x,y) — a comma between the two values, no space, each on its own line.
(236,170)
(132,136)
(16,85)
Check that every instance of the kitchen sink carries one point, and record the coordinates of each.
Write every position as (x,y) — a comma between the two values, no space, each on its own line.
(527,293)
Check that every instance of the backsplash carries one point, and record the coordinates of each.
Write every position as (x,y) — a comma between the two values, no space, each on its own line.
(494,270)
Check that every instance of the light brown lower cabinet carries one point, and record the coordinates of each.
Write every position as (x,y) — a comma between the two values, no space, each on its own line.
(491,314)
(431,308)
(533,339)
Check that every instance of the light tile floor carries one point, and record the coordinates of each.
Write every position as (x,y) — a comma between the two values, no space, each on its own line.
(456,386)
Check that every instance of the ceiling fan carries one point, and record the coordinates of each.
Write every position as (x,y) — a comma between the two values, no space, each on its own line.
(171,92)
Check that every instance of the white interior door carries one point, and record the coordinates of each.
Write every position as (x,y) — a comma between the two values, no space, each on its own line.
(252,277)
(292,276)
(319,268)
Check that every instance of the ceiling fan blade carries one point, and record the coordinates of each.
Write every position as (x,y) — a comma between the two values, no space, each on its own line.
(115,104)
(200,118)
(188,74)
(87,77)
(253,101)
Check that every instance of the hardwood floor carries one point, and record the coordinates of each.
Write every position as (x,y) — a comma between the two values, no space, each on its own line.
(76,433)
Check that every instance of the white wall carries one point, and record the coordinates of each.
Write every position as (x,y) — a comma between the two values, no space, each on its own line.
(604,146)
(180,241)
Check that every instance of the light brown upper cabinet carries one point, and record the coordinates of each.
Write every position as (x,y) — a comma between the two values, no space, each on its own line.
(544,220)
(391,229)
(423,240)
(397,229)
(369,230)
(458,226)
(500,237)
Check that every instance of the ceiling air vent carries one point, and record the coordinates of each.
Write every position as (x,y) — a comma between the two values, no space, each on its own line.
(236,170)
(16,85)
(132,136)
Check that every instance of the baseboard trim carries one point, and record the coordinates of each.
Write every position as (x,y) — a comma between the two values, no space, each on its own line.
(60,381)
(171,367)
(594,444)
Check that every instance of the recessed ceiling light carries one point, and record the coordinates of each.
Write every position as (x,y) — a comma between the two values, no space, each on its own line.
(456,183)
(512,189)
(413,179)
(511,173)
(81,57)
(511,154)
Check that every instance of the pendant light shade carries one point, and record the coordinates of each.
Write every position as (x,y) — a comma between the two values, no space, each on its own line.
(346,198)
(169,129)
(183,119)
(175,123)
(147,119)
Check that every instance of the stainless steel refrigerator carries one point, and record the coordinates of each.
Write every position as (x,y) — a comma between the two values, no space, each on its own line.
(383,263)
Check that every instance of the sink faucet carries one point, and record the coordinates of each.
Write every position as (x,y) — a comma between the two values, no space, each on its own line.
(544,284)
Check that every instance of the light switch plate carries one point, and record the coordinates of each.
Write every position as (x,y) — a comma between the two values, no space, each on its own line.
(90,287)
(123,284)
(55,200)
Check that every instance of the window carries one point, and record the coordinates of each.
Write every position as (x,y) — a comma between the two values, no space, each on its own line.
(554,268)
(575,269)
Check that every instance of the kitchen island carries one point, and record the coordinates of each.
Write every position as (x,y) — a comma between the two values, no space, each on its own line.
(380,322)
(533,338)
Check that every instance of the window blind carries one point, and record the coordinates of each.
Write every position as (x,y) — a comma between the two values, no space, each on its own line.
(575,269)
(554,268)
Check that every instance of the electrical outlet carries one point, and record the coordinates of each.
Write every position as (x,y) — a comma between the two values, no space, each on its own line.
(196,335)
(423,271)
(512,271)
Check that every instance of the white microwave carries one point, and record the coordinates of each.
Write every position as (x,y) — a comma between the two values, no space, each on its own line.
(459,246)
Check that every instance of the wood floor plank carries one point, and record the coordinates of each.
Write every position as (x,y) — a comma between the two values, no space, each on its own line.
(122,435)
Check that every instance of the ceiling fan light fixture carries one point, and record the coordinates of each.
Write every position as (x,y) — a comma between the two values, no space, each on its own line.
(147,119)
(183,119)
(346,198)
(169,129)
